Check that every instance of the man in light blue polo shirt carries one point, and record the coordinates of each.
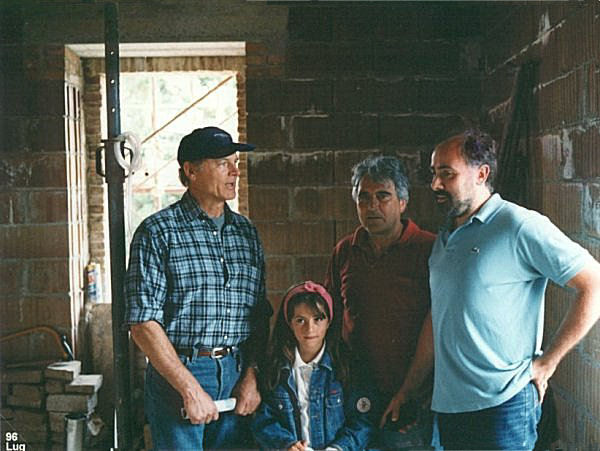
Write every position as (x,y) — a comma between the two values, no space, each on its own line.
(489,269)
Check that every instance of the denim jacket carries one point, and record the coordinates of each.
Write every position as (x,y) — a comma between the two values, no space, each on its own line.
(335,417)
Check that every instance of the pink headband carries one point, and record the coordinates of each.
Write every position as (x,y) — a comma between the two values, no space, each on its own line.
(308,287)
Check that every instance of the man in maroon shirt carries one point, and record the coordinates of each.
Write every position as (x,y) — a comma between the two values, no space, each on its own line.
(378,276)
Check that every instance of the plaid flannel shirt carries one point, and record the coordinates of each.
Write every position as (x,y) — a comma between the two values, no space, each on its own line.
(202,288)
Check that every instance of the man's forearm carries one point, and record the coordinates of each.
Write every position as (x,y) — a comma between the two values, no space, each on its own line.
(582,315)
(422,363)
(152,340)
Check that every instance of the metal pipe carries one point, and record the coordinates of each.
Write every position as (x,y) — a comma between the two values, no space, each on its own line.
(115,176)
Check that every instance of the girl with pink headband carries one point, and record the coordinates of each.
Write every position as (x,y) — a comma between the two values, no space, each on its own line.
(309,401)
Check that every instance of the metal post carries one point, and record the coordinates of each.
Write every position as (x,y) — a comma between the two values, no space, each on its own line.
(115,176)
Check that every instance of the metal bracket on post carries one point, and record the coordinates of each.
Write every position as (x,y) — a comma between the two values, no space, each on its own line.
(107,143)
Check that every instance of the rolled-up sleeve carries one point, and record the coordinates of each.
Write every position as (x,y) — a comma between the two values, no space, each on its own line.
(145,281)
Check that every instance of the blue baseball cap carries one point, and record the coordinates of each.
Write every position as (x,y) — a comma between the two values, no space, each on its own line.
(208,142)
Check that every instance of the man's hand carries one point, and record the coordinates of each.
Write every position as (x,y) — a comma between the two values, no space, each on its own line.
(541,374)
(200,407)
(393,408)
(298,446)
(247,394)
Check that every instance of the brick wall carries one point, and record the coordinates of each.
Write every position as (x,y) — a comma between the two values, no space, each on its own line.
(350,81)
(565,164)
(41,239)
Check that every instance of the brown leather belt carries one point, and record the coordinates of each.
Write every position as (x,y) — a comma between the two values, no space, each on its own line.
(213,353)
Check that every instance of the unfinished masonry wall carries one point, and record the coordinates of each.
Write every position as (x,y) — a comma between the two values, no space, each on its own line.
(564,166)
(349,82)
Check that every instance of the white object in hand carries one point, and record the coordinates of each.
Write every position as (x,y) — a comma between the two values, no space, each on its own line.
(223,405)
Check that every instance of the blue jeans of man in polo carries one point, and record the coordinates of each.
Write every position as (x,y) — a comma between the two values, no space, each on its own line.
(509,426)
(163,407)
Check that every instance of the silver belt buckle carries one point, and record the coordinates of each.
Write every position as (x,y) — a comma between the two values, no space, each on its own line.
(213,353)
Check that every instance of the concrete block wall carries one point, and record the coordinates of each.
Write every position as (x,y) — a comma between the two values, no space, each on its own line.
(41,235)
(565,163)
(349,81)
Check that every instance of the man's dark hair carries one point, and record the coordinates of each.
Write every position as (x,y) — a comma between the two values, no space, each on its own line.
(479,148)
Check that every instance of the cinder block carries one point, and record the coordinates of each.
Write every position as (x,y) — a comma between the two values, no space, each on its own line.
(354,95)
(591,210)
(13,206)
(17,401)
(86,384)
(344,161)
(71,403)
(279,272)
(48,206)
(398,96)
(306,96)
(417,130)
(56,421)
(264,96)
(309,59)
(35,439)
(284,238)
(311,268)
(268,203)
(64,371)
(54,386)
(30,392)
(12,278)
(562,203)
(7,413)
(586,157)
(37,421)
(268,168)
(57,437)
(355,131)
(23,241)
(267,131)
(32,311)
(323,203)
(308,169)
(313,132)
(353,58)
(22,376)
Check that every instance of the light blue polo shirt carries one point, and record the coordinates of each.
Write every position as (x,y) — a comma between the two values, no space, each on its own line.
(487,281)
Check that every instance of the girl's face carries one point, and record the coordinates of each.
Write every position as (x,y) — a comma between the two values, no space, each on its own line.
(309,327)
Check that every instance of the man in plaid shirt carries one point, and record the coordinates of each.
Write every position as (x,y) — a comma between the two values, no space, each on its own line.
(196,303)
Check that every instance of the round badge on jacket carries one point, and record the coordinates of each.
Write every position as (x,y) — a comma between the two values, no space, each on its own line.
(363,405)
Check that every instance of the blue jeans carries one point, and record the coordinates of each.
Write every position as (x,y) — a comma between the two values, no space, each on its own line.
(163,407)
(511,425)
(418,437)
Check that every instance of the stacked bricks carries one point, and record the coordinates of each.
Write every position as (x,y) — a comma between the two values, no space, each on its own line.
(68,392)
(23,407)
(36,401)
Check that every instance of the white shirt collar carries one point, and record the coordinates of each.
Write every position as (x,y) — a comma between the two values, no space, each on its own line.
(298,362)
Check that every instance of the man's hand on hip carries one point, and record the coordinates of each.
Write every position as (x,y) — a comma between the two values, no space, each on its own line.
(247,394)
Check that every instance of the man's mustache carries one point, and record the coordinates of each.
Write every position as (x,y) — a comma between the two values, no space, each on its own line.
(442,193)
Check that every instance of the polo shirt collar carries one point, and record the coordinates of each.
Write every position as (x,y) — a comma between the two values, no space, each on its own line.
(489,208)
(192,210)
(484,214)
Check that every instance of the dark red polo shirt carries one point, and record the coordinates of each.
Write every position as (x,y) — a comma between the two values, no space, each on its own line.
(387,296)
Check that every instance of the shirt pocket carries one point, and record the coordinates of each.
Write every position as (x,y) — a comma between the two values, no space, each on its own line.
(334,409)
(244,281)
